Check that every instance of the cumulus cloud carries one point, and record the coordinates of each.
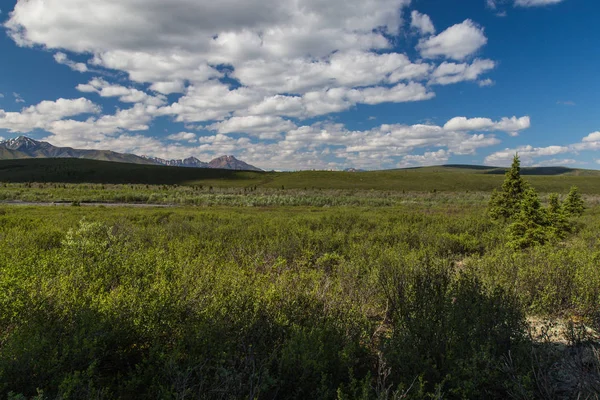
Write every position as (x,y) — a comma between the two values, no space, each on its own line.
(509,125)
(422,23)
(529,154)
(457,42)
(265,127)
(271,48)
(592,137)
(247,67)
(183,137)
(167,44)
(215,101)
(526,153)
(44,114)
(320,145)
(449,73)
(342,69)
(125,95)
(62,58)
(136,118)
(428,158)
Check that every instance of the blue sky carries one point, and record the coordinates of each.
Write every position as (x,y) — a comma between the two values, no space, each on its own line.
(307,84)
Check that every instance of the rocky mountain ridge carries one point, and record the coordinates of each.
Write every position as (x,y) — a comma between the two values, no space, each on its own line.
(25,147)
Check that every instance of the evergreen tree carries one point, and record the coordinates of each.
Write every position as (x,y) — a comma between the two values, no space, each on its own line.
(557,219)
(574,205)
(505,204)
(531,223)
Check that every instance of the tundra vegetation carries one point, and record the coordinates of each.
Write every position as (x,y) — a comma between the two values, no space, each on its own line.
(265,293)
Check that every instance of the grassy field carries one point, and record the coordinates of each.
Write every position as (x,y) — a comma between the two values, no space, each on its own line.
(247,292)
(428,179)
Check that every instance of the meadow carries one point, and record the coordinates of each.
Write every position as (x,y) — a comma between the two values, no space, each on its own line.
(268,293)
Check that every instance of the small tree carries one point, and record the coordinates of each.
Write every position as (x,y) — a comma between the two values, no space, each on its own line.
(574,205)
(530,226)
(505,204)
(557,219)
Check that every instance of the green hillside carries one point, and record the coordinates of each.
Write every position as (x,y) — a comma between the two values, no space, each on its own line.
(451,178)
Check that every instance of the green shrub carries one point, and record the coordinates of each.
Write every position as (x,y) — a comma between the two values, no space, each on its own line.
(448,331)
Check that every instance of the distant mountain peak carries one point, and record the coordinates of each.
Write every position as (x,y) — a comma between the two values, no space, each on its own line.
(230,162)
(223,162)
(21,142)
(25,147)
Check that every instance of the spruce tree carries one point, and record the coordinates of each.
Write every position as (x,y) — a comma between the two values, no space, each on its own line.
(505,204)
(530,224)
(557,219)
(574,205)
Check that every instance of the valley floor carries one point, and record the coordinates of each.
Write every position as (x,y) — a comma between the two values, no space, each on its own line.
(290,294)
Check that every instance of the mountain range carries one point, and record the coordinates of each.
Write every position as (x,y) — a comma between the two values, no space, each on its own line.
(24,147)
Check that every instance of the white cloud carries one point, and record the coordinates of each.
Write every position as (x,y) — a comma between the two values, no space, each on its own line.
(1,96)
(422,23)
(535,3)
(288,58)
(530,154)
(510,125)
(125,95)
(183,137)
(471,144)
(457,42)
(211,101)
(136,118)
(62,58)
(265,127)
(44,114)
(340,99)
(167,44)
(592,137)
(215,101)
(161,26)
(18,98)
(526,153)
(283,59)
(449,73)
(428,158)
(168,87)
(321,145)
(486,82)
(342,69)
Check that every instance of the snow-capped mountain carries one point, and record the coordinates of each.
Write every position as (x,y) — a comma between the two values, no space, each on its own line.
(24,147)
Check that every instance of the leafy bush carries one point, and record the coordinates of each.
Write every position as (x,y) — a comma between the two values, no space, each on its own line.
(447,331)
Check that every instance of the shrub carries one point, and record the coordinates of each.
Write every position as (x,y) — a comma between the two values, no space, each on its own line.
(447,330)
